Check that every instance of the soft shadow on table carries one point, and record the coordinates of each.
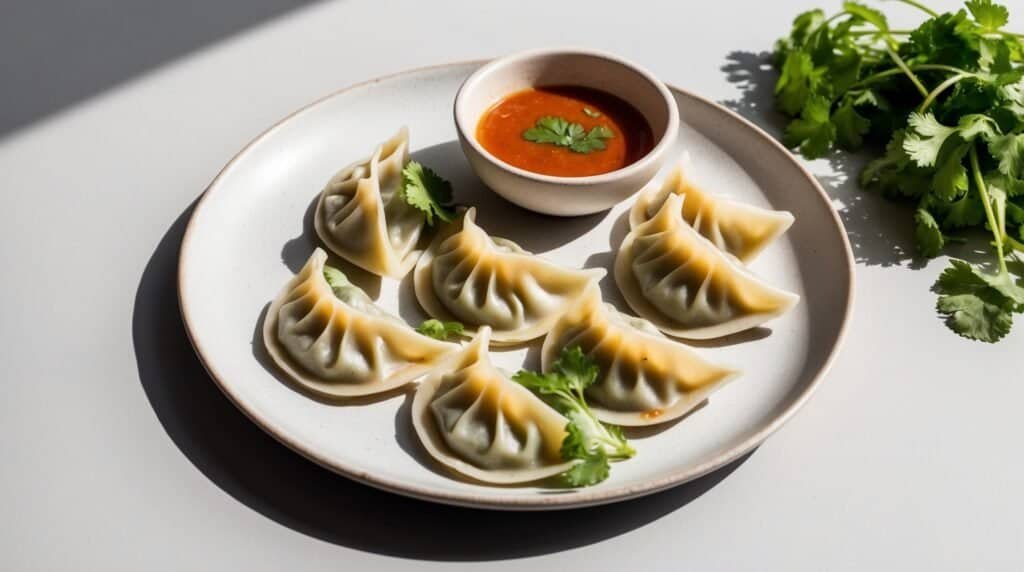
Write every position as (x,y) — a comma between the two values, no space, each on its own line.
(84,44)
(880,230)
(267,477)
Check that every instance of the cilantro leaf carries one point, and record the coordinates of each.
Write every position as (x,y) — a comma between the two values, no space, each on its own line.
(803,25)
(440,330)
(593,141)
(867,14)
(964,212)
(1009,151)
(927,236)
(549,129)
(975,126)
(813,132)
(925,137)
(587,439)
(944,39)
(553,130)
(850,125)
(977,305)
(973,317)
(425,190)
(950,179)
(988,15)
(592,469)
(798,81)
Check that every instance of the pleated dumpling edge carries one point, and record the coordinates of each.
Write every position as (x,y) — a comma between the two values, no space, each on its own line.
(472,418)
(645,378)
(470,277)
(741,229)
(362,217)
(339,348)
(676,278)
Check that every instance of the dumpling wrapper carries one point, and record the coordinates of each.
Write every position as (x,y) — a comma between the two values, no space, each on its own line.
(678,280)
(468,276)
(645,378)
(362,217)
(737,228)
(476,421)
(341,344)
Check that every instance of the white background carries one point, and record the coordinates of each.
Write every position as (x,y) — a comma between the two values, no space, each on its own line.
(120,454)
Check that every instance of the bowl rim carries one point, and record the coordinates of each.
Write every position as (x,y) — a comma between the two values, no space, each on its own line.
(466,132)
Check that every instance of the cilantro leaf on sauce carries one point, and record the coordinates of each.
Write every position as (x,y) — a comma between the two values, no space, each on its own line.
(552,130)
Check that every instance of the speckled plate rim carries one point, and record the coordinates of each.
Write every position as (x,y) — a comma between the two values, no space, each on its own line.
(553,502)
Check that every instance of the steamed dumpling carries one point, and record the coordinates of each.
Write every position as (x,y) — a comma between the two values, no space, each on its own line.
(468,276)
(362,217)
(737,228)
(333,340)
(645,377)
(472,418)
(678,280)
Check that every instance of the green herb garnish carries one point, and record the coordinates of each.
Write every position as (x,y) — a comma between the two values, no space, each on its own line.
(591,113)
(440,330)
(587,440)
(948,98)
(557,131)
(425,190)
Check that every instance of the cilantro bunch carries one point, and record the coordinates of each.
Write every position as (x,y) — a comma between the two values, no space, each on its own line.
(588,440)
(947,101)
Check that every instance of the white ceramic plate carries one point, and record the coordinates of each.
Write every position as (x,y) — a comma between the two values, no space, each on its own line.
(252,229)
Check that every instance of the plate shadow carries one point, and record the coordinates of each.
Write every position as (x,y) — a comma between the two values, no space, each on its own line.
(260,473)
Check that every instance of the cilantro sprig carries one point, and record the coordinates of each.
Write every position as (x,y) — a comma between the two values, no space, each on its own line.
(947,100)
(425,190)
(554,130)
(440,330)
(587,439)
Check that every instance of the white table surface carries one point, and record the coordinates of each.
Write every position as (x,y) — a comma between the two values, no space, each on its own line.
(120,454)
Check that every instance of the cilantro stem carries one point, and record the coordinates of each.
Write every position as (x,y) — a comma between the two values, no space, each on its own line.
(828,20)
(903,67)
(896,71)
(1013,243)
(979,181)
(930,97)
(920,7)
(875,32)
(891,44)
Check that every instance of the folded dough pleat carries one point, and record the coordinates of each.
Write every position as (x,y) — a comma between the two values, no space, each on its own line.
(475,420)
(362,217)
(335,342)
(677,279)
(737,228)
(645,378)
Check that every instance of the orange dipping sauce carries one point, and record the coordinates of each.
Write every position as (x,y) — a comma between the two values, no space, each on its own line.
(500,131)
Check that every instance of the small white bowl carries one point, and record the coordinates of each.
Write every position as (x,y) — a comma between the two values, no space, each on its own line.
(565,196)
